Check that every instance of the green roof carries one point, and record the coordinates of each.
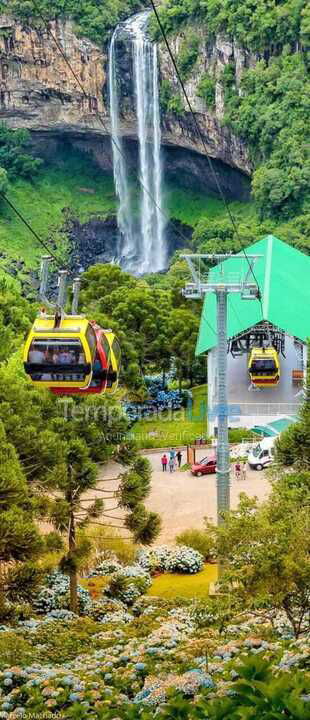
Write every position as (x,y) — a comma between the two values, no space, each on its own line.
(275,428)
(283,275)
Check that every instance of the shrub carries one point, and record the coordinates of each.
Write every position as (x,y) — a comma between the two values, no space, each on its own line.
(206,90)
(6,609)
(236,435)
(129,584)
(13,648)
(105,567)
(23,581)
(13,153)
(114,548)
(188,54)
(166,559)
(175,105)
(199,540)
(170,100)
(185,560)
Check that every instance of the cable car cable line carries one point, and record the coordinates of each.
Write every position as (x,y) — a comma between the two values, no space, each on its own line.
(116,145)
(218,184)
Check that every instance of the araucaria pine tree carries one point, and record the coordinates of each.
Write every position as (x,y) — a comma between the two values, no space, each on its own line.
(75,475)
(19,538)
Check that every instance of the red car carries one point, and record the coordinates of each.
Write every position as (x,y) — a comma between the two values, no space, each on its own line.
(207,466)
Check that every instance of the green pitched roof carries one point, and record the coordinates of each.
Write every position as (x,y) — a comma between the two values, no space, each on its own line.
(283,275)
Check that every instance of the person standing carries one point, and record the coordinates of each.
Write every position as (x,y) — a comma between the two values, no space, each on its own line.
(237,470)
(179,458)
(171,463)
(243,470)
(164,462)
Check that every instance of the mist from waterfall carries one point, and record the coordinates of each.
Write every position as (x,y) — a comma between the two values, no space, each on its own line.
(144,248)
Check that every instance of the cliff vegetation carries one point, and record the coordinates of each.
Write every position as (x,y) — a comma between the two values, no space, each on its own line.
(92,19)
(267,103)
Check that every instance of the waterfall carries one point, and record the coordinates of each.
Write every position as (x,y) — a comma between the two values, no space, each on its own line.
(121,180)
(144,246)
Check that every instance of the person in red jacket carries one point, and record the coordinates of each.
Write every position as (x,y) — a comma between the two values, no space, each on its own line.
(164,462)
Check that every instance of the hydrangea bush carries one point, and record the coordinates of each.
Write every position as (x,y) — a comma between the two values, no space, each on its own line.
(105,567)
(180,559)
(54,595)
(129,584)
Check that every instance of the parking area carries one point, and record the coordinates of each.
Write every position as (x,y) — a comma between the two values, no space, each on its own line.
(183,501)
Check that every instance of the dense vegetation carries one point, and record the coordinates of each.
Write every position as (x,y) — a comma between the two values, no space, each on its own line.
(156,326)
(270,108)
(92,19)
(15,156)
(57,454)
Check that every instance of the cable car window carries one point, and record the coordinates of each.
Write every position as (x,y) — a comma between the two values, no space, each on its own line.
(97,368)
(105,345)
(56,351)
(117,351)
(263,366)
(56,358)
(91,339)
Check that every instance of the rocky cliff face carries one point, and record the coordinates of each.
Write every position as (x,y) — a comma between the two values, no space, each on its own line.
(38,91)
(220,142)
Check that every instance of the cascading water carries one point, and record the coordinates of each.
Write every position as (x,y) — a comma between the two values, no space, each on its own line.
(121,180)
(144,247)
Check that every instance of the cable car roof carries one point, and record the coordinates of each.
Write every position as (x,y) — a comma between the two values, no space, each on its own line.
(70,324)
(283,276)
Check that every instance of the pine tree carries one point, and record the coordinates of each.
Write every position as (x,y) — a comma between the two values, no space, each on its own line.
(76,474)
(19,538)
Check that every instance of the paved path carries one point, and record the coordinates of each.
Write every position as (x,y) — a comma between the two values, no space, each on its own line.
(183,500)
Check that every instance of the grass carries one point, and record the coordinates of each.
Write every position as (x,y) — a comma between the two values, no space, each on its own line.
(73,184)
(172,428)
(190,206)
(172,585)
(58,188)
(167,585)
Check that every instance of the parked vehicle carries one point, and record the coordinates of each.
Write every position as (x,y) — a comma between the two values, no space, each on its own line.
(262,454)
(207,466)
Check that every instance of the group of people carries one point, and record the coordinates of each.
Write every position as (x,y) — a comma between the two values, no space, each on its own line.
(61,355)
(55,355)
(174,461)
(240,470)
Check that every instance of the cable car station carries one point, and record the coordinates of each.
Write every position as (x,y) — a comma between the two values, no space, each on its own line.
(267,355)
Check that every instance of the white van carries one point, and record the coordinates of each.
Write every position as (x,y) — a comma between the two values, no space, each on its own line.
(262,454)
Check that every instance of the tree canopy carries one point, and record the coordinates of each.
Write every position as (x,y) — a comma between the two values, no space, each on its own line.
(92,18)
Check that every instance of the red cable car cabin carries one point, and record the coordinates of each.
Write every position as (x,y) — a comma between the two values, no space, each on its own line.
(104,374)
